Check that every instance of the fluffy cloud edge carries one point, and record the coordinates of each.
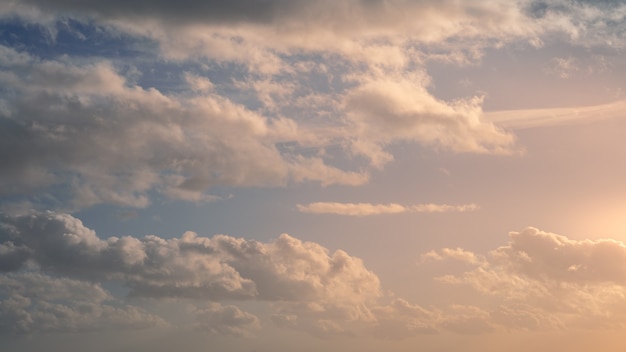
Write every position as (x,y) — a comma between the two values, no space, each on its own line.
(544,281)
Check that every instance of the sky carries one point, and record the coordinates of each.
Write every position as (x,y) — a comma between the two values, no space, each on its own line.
(273,175)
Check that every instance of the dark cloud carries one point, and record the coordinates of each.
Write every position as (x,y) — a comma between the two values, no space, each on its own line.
(255,11)
(325,292)
(85,133)
(191,266)
(35,303)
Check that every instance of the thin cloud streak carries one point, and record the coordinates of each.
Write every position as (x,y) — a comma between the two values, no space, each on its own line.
(366,209)
(534,118)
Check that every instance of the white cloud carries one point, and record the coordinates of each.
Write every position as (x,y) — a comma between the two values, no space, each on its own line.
(531,118)
(106,140)
(306,287)
(353,209)
(366,209)
(456,254)
(371,55)
(541,280)
(443,208)
(324,74)
(537,281)
(390,109)
(300,279)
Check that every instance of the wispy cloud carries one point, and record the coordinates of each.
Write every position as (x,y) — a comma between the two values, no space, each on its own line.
(366,209)
(530,118)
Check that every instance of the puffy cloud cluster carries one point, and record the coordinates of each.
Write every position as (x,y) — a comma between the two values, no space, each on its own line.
(52,265)
(301,279)
(543,280)
(300,77)
(33,302)
(190,266)
(85,128)
(396,108)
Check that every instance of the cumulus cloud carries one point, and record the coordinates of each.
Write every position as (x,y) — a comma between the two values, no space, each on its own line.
(34,303)
(542,280)
(537,281)
(51,284)
(190,266)
(366,59)
(87,128)
(300,279)
(394,108)
(366,209)
(87,133)
(308,288)
(297,79)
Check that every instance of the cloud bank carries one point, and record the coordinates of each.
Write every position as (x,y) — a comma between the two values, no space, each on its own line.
(258,93)
(301,278)
(53,266)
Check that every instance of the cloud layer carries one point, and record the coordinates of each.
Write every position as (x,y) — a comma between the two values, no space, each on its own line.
(290,81)
(52,267)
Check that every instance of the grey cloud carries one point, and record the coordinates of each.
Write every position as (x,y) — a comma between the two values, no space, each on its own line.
(33,303)
(384,109)
(85,132)
(191,266)
(308,288)
(226,320)
(152,266)
(255,11)
(87,129)
(12,257)
(427,21)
